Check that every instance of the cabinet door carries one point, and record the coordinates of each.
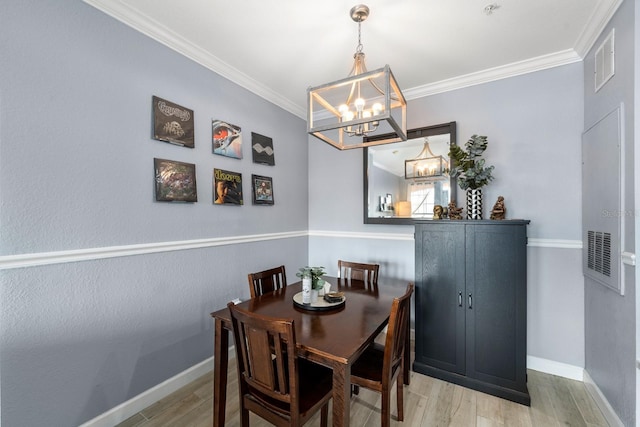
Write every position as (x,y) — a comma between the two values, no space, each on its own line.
(439,296)
(496,310)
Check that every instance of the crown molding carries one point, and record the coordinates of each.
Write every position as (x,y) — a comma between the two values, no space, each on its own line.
(165,36)
(492,74)
(595,25)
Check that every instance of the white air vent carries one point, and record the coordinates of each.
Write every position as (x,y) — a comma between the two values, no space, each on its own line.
(605,61)
(599,252)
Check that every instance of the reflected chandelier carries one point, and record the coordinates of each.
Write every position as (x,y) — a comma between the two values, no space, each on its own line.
(366,108)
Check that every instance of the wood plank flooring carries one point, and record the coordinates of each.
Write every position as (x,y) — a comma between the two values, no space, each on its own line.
(555,401)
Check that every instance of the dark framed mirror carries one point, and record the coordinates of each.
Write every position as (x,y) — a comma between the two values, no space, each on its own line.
(403,181)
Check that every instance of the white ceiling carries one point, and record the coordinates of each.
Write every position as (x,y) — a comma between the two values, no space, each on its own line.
(278,49)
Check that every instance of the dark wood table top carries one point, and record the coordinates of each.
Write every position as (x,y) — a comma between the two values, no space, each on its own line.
(338,335)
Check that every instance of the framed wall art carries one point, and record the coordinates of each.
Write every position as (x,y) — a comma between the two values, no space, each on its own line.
(172,123)
(175,181)
(227,187)
(226,139)
(262,149)
(262,190)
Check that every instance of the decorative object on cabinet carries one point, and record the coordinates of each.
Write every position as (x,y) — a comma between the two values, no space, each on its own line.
(172,123)
(226,139)
(471,305)
(262,190)
(384,172)
(365,103)
(468,167)
(454,211)
(437,212)
(227,187)
(499,211)
(175,181)
(262,149)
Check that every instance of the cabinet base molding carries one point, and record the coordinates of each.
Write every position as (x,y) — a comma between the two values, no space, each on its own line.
(521,397)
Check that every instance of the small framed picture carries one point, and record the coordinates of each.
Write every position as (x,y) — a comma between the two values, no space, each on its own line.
(262,149)
(262,190)
(227,187)
(175,181)
(172,123)
(226,139)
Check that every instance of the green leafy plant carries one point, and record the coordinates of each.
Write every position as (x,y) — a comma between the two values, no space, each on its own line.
(468,166)
(315,273)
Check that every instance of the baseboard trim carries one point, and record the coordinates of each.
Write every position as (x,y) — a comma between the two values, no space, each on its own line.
(555,368)
(136,404)
(602,402)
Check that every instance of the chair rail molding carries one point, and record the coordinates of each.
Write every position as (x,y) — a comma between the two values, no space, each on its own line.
(8,262)
(59,257)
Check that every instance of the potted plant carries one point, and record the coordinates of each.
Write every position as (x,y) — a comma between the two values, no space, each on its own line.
(468,166)
(317,283)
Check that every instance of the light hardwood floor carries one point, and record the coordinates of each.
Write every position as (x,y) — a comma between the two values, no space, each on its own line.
(555,401)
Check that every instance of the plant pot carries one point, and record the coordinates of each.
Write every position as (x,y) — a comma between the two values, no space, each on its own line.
(306,290)
(474,203)
(314,296)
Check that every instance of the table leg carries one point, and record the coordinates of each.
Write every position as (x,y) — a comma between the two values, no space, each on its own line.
(341,395)
(220,367)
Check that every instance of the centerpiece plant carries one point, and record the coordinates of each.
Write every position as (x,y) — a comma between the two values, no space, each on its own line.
(315,273)
(471,172)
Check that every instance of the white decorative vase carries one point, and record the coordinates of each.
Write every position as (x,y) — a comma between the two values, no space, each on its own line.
(474,203)
(306,290)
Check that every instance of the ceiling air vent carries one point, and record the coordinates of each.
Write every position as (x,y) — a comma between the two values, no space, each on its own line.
(605,61)
(599,252)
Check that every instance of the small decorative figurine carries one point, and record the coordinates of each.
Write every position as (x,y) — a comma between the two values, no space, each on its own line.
(498,211)
(437,212)
(454,211)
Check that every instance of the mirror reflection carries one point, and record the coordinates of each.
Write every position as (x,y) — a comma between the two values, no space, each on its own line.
(405,180)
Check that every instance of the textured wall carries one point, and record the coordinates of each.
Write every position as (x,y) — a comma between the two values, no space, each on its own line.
(610,326)
(76,172)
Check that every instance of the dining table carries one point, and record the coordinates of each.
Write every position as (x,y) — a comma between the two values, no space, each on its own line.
(333,337)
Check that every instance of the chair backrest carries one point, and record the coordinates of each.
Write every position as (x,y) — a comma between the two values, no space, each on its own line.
(397,333)
(267,281)
(359,271)
(266,359)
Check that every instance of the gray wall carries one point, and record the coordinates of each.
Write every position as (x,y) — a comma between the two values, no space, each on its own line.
(534,124)
(610,330)
(76,174)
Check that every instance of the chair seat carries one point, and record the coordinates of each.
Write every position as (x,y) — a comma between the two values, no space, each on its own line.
(316,381)
(369,364)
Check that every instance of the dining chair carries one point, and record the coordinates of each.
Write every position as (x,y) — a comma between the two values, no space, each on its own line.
(267,281)
(273,382)
(359,271)
(380,365)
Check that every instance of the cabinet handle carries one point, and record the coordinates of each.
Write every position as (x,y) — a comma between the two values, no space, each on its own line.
(459,299)
(470,301)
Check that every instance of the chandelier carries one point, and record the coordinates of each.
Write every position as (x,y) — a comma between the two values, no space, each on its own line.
(366,108)
(425,164)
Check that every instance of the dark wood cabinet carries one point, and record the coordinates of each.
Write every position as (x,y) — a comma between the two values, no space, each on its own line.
(471,305)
